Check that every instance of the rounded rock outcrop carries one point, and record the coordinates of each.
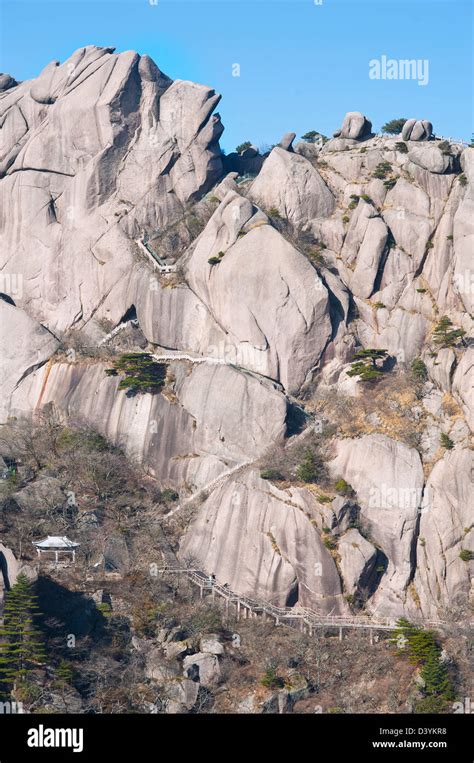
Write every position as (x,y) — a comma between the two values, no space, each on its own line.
(417,129)
(6,82)
(354,126)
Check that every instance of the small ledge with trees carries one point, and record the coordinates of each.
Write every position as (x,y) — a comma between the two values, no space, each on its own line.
(141,373)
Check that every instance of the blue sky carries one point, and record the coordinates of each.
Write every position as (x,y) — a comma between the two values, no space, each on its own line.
(302,65)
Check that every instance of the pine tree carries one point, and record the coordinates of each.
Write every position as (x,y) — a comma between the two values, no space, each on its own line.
(312,136)
(21,643)
(65,672)
(242,146)
(446,441)
(394,126)
(365,365)
(423,650)
(445,335)
(435,677)
(310,468)
(422,645)
(404,632)
(141,372)
(419,370)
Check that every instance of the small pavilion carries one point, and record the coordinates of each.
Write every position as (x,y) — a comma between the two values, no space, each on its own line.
(58,545)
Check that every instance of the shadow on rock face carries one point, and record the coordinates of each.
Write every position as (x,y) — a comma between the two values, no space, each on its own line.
(295,420)
(76,611)
(6,298)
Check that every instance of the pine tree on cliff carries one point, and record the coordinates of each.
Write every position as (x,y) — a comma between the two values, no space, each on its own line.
(445,334)
(21,643)
(365,364)
(141,373)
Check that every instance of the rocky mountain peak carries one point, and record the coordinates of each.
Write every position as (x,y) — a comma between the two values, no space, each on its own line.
(322,288)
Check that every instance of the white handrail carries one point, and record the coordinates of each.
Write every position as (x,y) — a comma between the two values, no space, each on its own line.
(301,614)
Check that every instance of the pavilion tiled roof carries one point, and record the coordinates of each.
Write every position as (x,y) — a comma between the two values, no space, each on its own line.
(55,542)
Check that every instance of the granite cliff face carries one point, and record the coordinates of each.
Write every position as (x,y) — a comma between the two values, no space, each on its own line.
(256,292)
(94,151)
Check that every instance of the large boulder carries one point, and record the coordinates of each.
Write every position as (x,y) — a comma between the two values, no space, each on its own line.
(260,540)
(363,248)
(357,562)
(388,478)
(408,213)
(261,291)
(443,579)
(171,317)
(290,184)
(430,158)
(398,331)
(211,644)
(180,695)
(441,368)
(307,149)
(6,82)
(417,129)
(354,126)
(286,143)
(156,668)
(203,667)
